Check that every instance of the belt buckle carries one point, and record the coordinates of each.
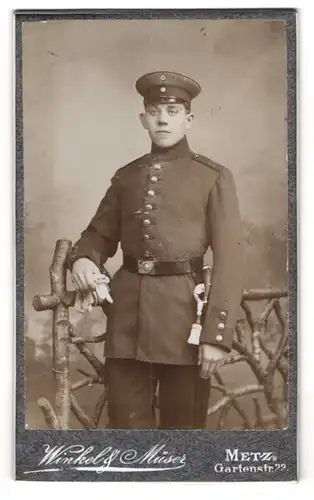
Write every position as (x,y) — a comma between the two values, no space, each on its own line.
(145,266)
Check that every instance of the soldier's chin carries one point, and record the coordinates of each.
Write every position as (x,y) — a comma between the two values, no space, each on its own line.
(164,141)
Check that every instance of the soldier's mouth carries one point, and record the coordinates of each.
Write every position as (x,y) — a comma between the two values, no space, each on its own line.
(163,132)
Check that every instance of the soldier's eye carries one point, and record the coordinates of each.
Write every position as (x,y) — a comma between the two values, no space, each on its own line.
(172,111)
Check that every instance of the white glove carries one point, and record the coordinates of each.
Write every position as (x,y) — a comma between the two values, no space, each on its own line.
(88,298)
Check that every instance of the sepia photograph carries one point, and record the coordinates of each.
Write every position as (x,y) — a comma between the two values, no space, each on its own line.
(167,139)
(155,163)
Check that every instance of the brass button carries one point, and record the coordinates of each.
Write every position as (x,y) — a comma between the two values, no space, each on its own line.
(222,314)
(157,166)
(149,207)
(219,338)
(154,178)
(146,222)
(151,192)
(146,236)
(221,326)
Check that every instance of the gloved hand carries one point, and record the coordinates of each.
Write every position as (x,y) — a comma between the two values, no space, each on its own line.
(210,359)
(91,285)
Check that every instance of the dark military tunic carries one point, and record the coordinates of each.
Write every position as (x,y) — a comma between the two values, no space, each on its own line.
(168,205)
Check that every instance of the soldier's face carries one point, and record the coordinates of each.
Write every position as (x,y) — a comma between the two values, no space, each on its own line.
(166,123)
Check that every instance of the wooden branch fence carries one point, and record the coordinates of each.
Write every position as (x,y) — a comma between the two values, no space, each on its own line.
(249,346)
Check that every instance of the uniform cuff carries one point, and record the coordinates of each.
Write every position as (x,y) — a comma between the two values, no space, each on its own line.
(76,254)
(215,330)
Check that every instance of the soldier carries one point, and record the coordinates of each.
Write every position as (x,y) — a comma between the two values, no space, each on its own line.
(166,208)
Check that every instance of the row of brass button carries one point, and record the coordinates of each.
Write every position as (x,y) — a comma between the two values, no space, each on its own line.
(148,206)
(221,326)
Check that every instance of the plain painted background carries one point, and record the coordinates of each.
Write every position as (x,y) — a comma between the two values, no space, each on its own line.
(81,118)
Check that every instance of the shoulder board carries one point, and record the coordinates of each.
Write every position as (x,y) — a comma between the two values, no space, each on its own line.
(137,162)
(206,161)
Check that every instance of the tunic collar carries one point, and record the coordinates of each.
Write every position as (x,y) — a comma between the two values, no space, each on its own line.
(178,150)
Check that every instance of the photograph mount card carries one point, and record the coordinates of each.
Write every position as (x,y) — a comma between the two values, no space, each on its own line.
(156,245)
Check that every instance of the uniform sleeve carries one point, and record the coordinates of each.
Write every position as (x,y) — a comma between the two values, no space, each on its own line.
(100,239)
(226,241)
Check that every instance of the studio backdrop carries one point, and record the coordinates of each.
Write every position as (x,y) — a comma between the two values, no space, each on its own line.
(81,123)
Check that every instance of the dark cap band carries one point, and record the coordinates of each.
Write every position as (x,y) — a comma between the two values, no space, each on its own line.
(166,100)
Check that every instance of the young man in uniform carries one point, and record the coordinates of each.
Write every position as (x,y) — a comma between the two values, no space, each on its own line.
(166,208)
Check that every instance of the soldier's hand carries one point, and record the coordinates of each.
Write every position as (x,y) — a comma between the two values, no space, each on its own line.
(210,358)
(86,276)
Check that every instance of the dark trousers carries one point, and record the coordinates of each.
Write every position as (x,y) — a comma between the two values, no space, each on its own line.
(182,395)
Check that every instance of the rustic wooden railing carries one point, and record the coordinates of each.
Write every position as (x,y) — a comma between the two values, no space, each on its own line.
(249,346)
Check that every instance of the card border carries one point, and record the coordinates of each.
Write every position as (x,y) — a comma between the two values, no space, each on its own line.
(27,441)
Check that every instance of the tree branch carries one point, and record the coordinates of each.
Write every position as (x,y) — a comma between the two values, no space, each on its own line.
(51,418)
(81,415)
(263,294)
(61,356)
(88,355)
(233,403)
(241,391)
(100,406)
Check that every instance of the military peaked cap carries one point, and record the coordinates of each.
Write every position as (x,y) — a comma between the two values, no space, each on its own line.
(167,87)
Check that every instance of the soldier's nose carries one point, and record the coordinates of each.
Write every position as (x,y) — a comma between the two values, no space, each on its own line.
(162,120)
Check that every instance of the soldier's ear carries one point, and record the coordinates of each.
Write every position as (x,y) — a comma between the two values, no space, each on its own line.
(189,120)
(143,120)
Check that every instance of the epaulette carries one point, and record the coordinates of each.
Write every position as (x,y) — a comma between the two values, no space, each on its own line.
(206,161)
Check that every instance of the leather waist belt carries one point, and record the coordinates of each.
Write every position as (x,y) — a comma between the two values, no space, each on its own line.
(158,268)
